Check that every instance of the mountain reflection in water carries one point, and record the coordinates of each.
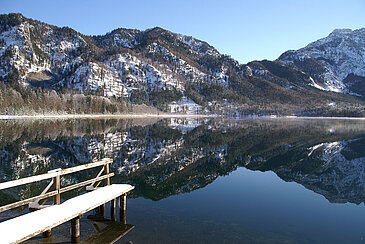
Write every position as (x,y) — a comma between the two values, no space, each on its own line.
(173,156)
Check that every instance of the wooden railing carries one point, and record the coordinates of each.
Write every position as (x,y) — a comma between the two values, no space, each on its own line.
(54,188)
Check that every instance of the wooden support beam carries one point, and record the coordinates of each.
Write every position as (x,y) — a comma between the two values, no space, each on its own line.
(123,208)
(75,230)
(91,187)
(123,202)
(47,240)
(106,170)
(112,210)
(101,210)
(47,233)
(57,186)
(42,201)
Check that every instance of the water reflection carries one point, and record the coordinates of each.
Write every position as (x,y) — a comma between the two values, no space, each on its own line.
(173,156)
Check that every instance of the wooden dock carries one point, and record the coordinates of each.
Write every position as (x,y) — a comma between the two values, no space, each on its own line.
(47,217)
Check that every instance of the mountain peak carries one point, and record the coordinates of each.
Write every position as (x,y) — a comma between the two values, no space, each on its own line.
(157,30)
(341,32)
(347,32)
(10,20)
(13,16)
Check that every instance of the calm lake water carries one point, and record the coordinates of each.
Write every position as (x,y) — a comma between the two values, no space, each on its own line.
(205,180)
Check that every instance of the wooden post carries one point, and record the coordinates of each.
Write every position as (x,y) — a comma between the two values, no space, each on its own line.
(56,199)
(56,186)
(56,182)
(75,230)
(112,210)
(47,240)
(101,210)
(123,208)
(47,233)
(106,171)
(107,182)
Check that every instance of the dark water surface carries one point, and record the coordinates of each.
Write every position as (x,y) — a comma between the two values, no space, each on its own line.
(205,180)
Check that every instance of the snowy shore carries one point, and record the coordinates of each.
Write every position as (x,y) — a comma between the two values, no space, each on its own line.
(153,115)
(308,117)
(103,116)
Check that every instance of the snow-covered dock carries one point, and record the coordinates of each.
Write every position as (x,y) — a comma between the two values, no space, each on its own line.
(45,218)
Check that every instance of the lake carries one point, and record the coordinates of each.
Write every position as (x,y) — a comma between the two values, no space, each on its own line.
(256,180)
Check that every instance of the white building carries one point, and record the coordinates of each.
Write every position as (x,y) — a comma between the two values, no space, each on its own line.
(185,105)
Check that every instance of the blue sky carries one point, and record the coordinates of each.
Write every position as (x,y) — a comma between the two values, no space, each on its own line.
(246,30)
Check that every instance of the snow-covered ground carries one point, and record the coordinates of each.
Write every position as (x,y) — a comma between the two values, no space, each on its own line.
(106,116)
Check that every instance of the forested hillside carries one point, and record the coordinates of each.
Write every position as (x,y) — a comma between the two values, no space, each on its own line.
(24,100)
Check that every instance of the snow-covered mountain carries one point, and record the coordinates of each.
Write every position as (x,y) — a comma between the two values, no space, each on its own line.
(330,61)
(61,57)
(158,67)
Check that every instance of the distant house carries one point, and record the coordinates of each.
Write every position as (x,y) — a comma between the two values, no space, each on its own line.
(186,106)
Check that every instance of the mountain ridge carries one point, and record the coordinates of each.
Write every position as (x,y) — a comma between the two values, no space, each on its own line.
(335,57)
(158,67)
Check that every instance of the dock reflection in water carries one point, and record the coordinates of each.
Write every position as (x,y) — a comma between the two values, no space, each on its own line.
(108,231)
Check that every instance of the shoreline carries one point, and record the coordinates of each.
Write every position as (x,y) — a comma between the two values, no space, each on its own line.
(308,117)
(162,115)
(104,116)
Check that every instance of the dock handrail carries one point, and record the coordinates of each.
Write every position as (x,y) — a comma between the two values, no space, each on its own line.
(54,189)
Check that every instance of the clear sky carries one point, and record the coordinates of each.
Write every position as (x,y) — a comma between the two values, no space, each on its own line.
(246,30)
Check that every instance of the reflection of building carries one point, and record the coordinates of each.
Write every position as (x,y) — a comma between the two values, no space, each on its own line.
(185,105)
(184,125)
